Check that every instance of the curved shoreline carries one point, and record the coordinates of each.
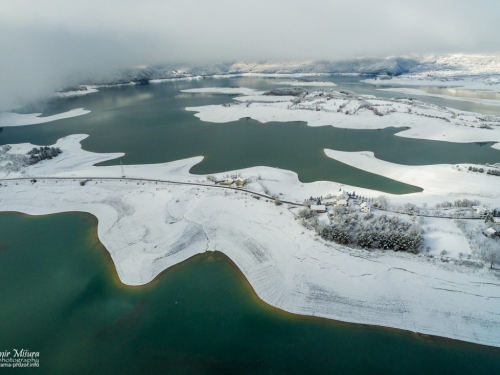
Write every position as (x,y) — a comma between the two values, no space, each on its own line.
(252,292)
(149,227)
(340,109)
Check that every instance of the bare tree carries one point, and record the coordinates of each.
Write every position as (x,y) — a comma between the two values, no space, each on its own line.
(383,202)
(277,200)
(490,254)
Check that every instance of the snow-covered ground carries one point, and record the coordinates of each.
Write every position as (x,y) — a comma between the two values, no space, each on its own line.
(440,182)
(348,110)
(15,119)
(149,226)
(443,234)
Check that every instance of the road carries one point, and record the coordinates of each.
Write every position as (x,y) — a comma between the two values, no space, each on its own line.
(138,179)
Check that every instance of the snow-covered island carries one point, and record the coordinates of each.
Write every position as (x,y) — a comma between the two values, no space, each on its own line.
(346,109)
(306,248)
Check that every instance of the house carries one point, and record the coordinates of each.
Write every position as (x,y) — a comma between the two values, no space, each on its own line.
(240,182)
(319,208)
(490,232)
(227,182)
(496,220)
(363,207)
(341,202)
(480,210)
(342,195)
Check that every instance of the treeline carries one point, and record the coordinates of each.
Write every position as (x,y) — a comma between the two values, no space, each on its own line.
(459,203)
(42,153)
(493,172)
(288,91)
(369,231)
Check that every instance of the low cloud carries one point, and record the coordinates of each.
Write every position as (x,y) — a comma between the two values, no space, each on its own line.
(50,44)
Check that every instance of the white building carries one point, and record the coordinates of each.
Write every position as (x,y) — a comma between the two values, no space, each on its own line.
(490,232)
(480,210)
(342,195)
(363,207)
(341,202)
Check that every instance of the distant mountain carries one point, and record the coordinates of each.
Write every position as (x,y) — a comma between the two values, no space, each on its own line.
(391,66)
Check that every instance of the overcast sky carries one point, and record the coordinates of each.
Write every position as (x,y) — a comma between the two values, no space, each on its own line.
(46,43)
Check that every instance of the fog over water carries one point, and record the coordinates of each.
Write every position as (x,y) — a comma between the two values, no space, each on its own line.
(50,44)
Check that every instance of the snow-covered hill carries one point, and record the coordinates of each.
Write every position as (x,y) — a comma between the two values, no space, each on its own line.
(474,72)
(429,65)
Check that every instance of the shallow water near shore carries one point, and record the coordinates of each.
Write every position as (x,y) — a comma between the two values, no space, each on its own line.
(61,297)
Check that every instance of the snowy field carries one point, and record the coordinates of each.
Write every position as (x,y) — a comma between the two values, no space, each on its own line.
(440,181)
(149,226)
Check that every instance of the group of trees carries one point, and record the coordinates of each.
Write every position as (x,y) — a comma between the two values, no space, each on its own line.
(389,240)
(42,153)
(370,107)
(287,91)
(431,116)
(313,200)
(493,172)
(382,202)
(370,231)
(11,162)
(461,203)
(474,169)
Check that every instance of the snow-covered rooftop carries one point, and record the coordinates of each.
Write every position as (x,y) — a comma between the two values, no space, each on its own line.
(318,207)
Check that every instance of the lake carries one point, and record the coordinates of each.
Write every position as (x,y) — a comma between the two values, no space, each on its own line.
(61,297)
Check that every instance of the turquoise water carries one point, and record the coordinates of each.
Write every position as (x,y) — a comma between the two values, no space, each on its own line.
(60,296)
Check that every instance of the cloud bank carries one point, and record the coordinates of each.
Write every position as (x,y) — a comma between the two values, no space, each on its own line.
(50,44)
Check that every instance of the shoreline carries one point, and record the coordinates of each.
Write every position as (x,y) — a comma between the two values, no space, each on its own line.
(255,297)
(289,268)
(425,121)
